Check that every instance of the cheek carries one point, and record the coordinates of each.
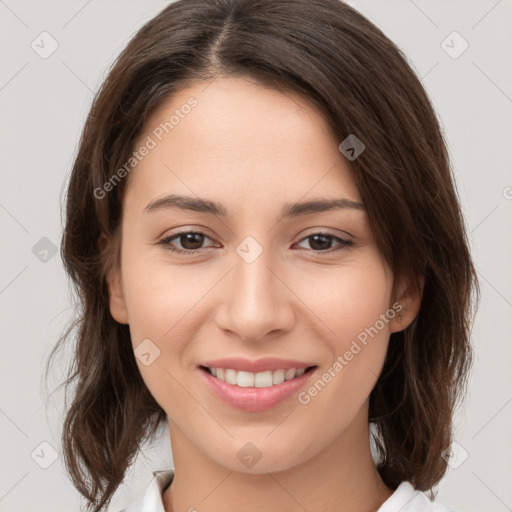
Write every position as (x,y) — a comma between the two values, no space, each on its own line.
(159,296)
(349,299)
(160,300)
(355,318)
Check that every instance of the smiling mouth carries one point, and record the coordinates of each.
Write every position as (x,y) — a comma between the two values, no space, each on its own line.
(256,380)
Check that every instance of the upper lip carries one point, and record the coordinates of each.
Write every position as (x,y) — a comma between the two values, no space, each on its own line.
(256,365)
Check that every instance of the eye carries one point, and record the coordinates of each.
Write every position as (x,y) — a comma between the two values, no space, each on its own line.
(190,242)
(321,242)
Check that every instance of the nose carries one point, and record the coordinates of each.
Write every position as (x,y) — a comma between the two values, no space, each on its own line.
(255,300)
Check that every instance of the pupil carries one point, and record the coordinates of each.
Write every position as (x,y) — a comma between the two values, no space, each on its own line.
(189,239)
(322,246)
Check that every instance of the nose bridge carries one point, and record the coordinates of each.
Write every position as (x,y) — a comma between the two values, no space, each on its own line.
(255,303)
(253,281)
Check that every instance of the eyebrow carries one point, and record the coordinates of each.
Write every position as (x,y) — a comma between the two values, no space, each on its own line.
(213,208)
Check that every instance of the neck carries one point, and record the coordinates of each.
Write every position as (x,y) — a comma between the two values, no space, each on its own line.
(342,478)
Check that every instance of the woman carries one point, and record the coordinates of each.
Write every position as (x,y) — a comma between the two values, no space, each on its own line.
(266,241)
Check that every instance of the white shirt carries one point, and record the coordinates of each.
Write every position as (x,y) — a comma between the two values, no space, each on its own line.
(404,499)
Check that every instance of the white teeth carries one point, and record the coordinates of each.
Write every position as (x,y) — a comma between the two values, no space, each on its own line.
(278,377)
(258,380)
(290,374)
(230,377)
(245,379)
(263,379)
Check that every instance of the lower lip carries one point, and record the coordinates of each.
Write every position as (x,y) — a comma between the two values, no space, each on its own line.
(255,399)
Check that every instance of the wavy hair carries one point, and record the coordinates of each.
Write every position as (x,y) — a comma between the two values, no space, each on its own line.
(361,82)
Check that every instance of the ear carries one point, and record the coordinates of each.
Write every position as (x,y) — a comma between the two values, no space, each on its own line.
(115,287)
(408,302)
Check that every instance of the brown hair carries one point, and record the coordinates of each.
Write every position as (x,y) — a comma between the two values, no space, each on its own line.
(361,82)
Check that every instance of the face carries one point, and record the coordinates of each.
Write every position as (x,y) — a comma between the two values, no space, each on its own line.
(250,282)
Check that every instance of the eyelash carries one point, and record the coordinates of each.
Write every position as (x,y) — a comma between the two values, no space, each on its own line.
(166,243)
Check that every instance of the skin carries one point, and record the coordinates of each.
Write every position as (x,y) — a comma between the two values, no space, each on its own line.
(254,149)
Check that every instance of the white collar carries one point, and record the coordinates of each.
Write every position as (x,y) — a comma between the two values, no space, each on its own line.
(152,499)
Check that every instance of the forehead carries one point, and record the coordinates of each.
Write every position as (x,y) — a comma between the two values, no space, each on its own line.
(239,140)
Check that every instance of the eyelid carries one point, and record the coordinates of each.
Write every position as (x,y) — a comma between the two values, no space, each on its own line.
(345,235)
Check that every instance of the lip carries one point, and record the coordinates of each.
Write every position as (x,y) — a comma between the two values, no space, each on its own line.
(255,399)
(256,366)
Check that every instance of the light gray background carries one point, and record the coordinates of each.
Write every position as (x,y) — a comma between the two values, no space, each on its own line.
(43,106)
